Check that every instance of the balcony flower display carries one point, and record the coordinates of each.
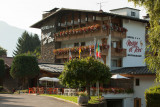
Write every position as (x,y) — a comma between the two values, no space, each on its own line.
(70,32)
(105,27)
(76,49)
(113,90)
(79,30)
(119,29)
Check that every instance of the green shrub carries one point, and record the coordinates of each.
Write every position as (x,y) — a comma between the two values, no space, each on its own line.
(152,96)
(2,68)
(1,88)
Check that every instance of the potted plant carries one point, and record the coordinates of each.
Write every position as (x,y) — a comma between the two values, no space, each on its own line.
(83,98)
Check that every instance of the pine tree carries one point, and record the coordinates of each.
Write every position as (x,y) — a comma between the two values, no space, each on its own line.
(27,43)
(2,51)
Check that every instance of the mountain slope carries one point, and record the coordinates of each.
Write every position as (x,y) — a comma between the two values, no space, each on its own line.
(9,36)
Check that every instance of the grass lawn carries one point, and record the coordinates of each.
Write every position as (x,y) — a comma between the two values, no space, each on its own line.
(73,98)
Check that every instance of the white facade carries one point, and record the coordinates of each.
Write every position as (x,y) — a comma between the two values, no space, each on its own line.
(127,12)
(134,43)
(127,99)
(144,83)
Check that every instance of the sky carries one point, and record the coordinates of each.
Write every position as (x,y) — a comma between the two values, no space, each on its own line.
(24,13)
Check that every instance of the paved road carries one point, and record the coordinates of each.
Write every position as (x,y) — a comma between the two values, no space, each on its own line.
(24,100)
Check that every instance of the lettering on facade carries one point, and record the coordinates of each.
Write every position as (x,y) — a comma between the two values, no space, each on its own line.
(47,27)
(47,38)
(47,34)
(134,46)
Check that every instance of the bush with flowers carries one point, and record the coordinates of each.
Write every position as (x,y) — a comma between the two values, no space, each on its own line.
(82,93)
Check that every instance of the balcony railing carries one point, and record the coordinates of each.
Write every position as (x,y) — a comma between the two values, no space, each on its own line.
(84,32)
(118,52)
(85,51)
(112,90)
(91,31)
(118,32)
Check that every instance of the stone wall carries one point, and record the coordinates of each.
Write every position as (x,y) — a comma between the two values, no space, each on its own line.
(47,55)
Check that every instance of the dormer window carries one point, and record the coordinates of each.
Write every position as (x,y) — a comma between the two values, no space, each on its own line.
(133,14)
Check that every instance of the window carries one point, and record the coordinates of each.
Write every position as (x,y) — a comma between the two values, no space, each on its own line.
(76,44)
(114,63)
(137,102)
(137,81)
(82,43)
(113,44)
(133,14)
(86,18)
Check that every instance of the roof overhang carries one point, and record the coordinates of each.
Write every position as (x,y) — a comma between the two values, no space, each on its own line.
(41,22)
(51,68)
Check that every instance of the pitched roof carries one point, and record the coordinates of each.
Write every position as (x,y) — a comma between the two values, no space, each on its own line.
(124,8)
(141,70)
(52,68)
(7,60)
(39,23)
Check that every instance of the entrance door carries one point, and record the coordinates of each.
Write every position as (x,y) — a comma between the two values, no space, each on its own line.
(114,103)
(137,102)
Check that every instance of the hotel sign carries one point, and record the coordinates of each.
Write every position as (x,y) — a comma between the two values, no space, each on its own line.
(134,46)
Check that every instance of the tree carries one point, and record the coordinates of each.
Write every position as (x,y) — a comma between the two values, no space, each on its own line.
(85,72)
(153,56)
(2,68)
(2,51)
(36,53)
(27,42)
(24,68)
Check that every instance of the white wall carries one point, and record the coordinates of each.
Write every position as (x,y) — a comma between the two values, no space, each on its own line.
(120,12)
(145,83)
(126,12)
(127,98)
(135,40)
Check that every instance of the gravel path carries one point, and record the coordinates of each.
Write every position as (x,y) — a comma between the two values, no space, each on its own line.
(24,100)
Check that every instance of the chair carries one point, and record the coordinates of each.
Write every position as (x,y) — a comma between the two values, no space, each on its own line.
(50,90)
(59,91)
(66,91)
(34,89)
(41,90)
(31,90)
(55,90)
(72,92)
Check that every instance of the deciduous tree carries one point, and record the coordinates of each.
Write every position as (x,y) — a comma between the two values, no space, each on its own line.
(24,68)
(85,72)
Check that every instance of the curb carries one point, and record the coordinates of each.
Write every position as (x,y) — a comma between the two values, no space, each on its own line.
(60,99)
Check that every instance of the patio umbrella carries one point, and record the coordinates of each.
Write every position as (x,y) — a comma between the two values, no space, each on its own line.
(117,76)
(45,79)
(54,80)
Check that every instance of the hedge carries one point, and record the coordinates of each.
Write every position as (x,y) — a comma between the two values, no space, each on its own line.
(152,97)
(2,68)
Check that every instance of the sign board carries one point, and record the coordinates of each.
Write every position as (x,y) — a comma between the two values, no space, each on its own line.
(135,46)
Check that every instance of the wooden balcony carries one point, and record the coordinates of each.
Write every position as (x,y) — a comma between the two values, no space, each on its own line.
(118,34)
(64,53)
(118,52)
(79,33)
